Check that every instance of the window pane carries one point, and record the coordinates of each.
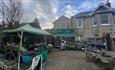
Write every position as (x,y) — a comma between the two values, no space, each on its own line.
(94,21)
(80,23)
(104,19)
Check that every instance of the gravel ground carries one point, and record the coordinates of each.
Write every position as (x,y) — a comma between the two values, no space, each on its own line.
(68,60)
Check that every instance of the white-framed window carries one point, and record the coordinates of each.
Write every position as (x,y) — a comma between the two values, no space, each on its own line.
(80,23)
(64,25)
(94,19)
(104,19)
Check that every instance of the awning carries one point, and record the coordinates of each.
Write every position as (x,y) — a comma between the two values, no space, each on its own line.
(63,32)
(64,35)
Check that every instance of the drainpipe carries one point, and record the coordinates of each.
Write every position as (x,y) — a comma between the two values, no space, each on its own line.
(89,26)
(112,31)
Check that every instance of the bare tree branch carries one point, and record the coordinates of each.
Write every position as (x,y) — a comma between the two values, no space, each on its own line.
(11,12)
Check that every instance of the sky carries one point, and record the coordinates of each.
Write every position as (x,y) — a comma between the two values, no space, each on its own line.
(47,11)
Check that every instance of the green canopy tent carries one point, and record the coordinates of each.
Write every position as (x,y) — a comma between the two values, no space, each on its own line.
(29,29)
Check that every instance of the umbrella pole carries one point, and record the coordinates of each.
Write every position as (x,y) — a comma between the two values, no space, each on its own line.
(21,36)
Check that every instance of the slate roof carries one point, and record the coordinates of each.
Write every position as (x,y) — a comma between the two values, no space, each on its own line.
(103,6)
(87,13)
(83,14)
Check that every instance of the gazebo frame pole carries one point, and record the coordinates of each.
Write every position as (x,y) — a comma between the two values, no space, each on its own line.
(41,63)
(21,36)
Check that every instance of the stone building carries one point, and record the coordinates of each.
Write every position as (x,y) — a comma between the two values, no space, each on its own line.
(95,23)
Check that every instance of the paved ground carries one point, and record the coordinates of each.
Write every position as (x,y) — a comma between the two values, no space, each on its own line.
(68,60)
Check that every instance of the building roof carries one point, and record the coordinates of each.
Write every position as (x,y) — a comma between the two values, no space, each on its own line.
(88,13)
(83,14)
(27,28)
(103,5)
(60,18)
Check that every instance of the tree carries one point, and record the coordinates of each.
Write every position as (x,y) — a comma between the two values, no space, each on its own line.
(10,12)
(35,24)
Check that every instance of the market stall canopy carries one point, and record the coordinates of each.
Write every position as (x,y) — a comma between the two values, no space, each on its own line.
(29,29)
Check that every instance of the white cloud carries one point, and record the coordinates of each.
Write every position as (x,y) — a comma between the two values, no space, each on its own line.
(26,3)
(89,5)
(45,10)
(45,23)
(70,11)
(113,3)
(86,5)
(54,10)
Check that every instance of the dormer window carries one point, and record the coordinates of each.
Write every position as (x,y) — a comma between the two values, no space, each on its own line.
(104,19)
(63,25)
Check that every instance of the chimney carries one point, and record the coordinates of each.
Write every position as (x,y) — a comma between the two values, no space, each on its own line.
(108,3)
